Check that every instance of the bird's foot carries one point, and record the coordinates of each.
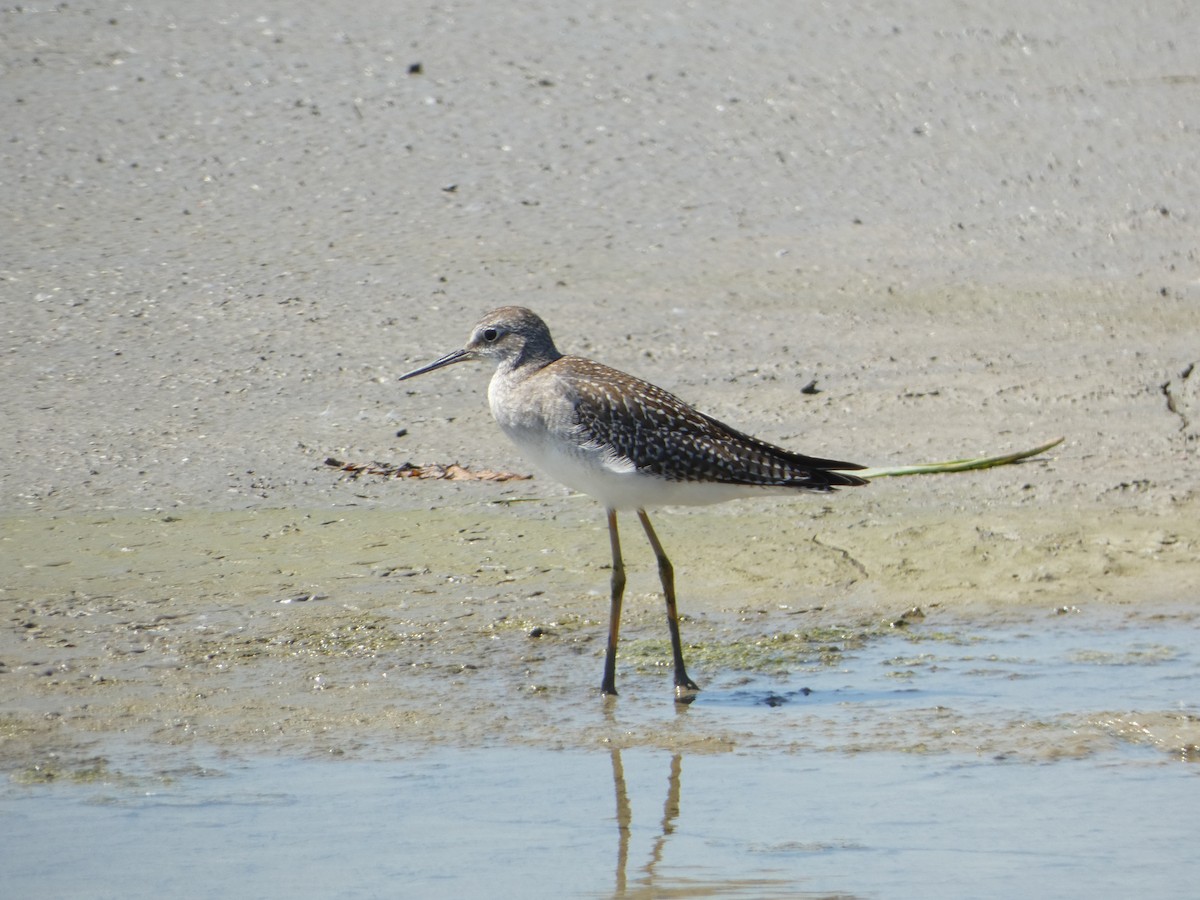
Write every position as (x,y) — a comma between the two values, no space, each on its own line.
(686,690)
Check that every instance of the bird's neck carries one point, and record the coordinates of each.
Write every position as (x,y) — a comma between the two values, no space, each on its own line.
(527,362)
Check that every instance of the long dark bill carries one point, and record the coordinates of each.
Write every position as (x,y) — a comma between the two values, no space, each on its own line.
(448,360)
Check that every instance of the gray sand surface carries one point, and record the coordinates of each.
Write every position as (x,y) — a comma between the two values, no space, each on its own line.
(226,229)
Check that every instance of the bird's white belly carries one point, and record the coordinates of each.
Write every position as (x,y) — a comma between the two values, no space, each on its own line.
(615,482)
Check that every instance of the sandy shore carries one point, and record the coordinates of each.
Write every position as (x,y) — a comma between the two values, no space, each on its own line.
(227,232)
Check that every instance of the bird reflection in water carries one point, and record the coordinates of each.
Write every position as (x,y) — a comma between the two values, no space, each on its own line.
(625,823)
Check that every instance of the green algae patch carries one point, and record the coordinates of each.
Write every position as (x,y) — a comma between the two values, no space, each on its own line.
(92,772)
(774,654)
(1137,656)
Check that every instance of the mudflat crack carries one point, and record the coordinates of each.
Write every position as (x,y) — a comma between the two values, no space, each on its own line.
(1168,389)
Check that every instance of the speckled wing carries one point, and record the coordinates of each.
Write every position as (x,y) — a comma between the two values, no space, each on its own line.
(661,435)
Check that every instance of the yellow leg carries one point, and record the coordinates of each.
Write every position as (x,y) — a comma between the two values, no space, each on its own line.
(609,684)
(684,686)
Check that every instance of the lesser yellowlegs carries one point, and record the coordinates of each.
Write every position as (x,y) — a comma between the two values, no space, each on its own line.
(627,443)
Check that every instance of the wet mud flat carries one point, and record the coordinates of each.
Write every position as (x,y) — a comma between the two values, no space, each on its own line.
(358,630)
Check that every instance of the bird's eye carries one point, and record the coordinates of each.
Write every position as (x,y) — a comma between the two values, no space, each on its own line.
(490,335)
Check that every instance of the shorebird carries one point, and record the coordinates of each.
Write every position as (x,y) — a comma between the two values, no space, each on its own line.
(627,443)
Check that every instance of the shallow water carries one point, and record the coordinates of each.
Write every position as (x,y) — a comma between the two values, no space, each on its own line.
(994,690)
(990,800)
(521,822)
